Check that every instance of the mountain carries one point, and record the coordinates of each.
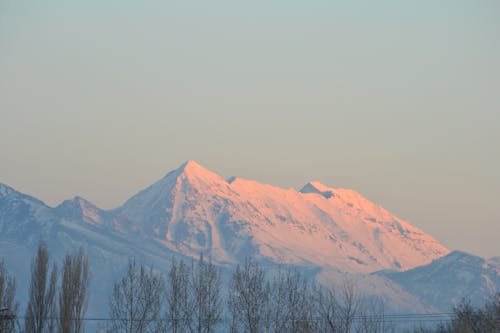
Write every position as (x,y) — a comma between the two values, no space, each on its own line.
(22,214)
(449,279)
(193,210)
(332,234)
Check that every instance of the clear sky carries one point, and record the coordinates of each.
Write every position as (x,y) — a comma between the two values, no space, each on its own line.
(399,100)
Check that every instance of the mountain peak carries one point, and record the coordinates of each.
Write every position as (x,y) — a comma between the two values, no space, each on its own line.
(83,202)
(318,188)
(461,256)
(190,174)
(8,192)
(193,170)
(191,165)
(4,189)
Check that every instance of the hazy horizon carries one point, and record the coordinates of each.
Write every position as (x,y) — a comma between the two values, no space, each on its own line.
(398,101)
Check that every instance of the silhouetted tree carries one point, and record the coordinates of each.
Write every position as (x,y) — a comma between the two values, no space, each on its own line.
(297,303)
(372,317)
(492,311)
(326,309)
(247,298)
(41,309)
(349,305)
(137,300)
(275,308)
(205,296)
(8,306)
(73,295)
(178,312)
(467,318)
(335,307)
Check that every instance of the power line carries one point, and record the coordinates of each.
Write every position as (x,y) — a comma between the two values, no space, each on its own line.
(402,316)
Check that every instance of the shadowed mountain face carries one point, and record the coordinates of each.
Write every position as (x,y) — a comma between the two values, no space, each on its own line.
(450,278)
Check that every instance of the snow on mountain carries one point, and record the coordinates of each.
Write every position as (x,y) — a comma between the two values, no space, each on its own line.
(24,221)
(495,260)
(81,209)
(21,214)
(331,232)
(373,286)
(446,280)
(193,209)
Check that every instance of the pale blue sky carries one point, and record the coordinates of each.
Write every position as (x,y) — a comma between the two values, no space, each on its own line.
(399,100)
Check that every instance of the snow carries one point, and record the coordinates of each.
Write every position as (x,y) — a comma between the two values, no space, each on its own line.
(193,209)
(330,231)
(4,190)
(449,278)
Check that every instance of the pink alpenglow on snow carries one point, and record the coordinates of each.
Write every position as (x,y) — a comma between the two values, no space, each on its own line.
(193,209)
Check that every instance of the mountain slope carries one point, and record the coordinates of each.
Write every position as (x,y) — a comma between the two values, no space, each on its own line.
(22,214)
(446,280)
(192,209)
(335,233)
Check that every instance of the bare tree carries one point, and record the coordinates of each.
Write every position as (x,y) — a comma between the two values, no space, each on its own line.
(73,295)
(137,301)
(247,298)
(335,307)
(8,306)
(275,311)
(492,311)
(205,285)
(178,312)
(288,307)
(371,318)
(298,303)
(349,305)
(41,309)
(326,309)
(467,318)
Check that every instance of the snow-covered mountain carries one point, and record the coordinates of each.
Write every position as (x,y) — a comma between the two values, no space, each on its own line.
(22,215)
(193,210)
(449,279)
(331,232)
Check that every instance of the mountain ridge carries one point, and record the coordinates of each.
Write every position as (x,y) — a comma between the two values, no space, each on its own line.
(192,209)
(332,232)
(451,278)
